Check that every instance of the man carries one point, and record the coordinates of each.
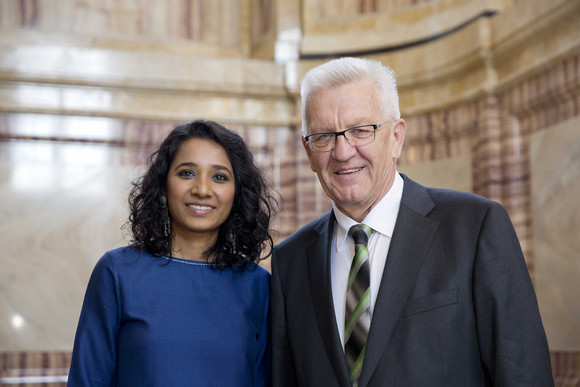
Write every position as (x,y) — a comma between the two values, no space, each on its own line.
(438,293)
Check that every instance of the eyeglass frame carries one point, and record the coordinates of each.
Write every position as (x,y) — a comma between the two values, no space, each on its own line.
(343,133)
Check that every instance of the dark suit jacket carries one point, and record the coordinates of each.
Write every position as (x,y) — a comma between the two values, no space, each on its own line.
(456,306)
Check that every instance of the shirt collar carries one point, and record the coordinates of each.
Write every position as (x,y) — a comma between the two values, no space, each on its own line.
(381,218)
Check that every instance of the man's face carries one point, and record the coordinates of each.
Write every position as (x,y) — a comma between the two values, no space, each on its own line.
(355,178)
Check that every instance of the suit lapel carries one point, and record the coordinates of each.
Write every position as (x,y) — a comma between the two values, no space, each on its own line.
(409,246)
(318,254)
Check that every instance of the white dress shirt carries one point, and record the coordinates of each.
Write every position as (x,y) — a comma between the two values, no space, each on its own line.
(382,220)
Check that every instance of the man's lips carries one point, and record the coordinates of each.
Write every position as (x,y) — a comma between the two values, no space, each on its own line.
(347,171)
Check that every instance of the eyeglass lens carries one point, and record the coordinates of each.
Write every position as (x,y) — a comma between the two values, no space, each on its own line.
(354,136)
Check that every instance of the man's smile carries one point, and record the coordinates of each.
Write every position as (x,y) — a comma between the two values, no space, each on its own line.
(347,171)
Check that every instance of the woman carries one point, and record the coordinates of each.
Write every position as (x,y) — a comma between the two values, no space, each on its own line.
(185,304)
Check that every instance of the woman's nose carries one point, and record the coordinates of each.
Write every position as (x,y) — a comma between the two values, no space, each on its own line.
(200,187)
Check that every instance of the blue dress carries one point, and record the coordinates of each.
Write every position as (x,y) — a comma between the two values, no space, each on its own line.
(149,321)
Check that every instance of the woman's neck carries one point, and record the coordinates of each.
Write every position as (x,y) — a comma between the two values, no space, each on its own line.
(192,247)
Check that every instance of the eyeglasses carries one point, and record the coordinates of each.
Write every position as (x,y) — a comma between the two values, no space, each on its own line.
(357,136)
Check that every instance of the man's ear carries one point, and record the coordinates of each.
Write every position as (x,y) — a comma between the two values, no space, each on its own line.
(398,137)
(308,153)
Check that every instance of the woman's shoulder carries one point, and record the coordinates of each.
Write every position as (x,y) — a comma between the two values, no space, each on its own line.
(122,255)
(125,252)
(257,274)
(258,280)
(263,275)
(257,270)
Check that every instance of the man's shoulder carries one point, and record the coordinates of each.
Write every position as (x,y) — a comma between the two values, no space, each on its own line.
(452,204)
(444,196)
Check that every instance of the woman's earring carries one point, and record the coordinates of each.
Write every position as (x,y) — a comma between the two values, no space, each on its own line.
(166,221)
(234,240)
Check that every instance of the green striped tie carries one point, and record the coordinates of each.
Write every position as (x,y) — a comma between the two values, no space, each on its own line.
(357,312)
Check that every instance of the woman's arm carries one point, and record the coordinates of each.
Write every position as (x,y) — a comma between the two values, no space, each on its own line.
(94,358)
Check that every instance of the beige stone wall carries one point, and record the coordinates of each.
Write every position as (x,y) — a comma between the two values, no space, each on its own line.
(555,189)
(489,89)
(225,28)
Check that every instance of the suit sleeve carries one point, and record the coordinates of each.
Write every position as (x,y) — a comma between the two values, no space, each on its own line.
(94,358)
(512,340)
(283,370)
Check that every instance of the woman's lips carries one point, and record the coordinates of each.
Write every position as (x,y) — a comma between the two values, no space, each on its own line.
(200,208)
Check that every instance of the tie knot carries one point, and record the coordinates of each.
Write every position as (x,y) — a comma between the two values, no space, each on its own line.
(360,233)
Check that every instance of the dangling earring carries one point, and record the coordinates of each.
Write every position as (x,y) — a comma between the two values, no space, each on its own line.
(234,237)
(166,220)
(234,240)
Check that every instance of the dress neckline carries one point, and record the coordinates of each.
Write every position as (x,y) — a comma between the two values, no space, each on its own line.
(186,261)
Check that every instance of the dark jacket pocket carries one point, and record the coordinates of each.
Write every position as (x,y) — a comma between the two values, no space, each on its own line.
(430,302)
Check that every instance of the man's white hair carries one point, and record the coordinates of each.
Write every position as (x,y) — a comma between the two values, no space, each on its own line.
(345,70)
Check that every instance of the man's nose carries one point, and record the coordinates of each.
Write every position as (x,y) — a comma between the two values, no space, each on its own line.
(342,148)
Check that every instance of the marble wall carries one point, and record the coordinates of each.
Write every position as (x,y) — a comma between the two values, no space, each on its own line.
(214,22)
(555,190)
(490,91)
(361,27)
(225,28)
(328,9)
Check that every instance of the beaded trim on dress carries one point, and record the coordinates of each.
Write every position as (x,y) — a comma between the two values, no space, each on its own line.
(195,263)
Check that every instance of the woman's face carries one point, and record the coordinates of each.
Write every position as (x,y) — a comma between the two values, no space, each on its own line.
(200,188)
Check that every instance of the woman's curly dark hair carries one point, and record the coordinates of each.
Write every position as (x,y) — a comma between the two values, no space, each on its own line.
(244,234)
